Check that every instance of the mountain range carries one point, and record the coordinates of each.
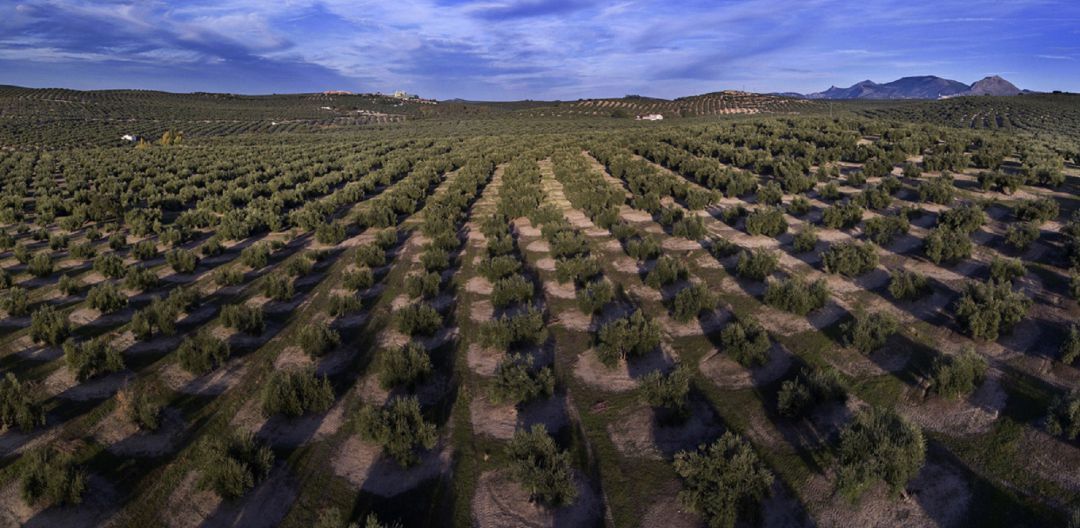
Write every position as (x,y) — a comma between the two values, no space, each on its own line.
(920,87)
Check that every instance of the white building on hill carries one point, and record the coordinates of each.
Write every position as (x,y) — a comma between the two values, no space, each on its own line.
(650,117)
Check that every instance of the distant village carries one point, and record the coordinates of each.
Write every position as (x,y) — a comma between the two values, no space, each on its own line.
(400,95)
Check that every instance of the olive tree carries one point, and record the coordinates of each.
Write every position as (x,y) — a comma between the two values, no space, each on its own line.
(541,468)
(878,444)
(723,481)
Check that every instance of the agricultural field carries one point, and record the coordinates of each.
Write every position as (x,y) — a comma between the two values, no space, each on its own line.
(490,315)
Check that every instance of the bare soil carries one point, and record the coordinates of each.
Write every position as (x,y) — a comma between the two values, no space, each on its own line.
(639,432)
(729,374)
(364,465)
(501,420)
(501,502)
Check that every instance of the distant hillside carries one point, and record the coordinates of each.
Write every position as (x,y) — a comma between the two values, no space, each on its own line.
(993,85)
(711,104)
(920,87)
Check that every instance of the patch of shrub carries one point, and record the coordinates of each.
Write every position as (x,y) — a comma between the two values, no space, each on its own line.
(296,393)
(849,258)
(370,255)
(1020,235)
(1038,211)
(511,290)
(643,248)
(756,264)
(797,296)
(404,367)
(278,287)
(106,298)
(947,245)
(202,352)
(690,228)
(40,265)
(422,285)
(987,309)
(770,194)
(499,245)
(140,279)
(182,260)
(83,251)
(768,221)
(1063,416)
(667,270)
(358,279)
(830,191)
(92,358)
(47,325)
(541,468)
(938,190)
(330,234)
(22,253)
(231,464)
(399,428)
(145,250)
(874,198)
(626,338)
(50,477)
(435,259)
(18,405)
(418,319)
(746,342)
(856,178)
(669,392)
(1004,182)
(966,218)
(495,268)
(798,396)
(517,381)
(247,319)
(1070,348)
(212,247)
(568,243)
(878,444)
(691,301)
(869,332)
(842,215)
(316,339)
(578,269)
(724,481)
(799,206)
(720,247)
(1006,269)
(386,238)
(595,296)
(958,375)
(882,230)
(508,330)
(339,305)
(109,265)
(731,215)
(16,301)
(140,404)
(806,239)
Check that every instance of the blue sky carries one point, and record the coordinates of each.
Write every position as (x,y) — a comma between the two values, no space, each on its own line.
(538,49)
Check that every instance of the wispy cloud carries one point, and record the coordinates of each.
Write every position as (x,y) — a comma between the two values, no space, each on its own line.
(509,49)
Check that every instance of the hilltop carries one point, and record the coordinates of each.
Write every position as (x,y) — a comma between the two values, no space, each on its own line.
(919,87)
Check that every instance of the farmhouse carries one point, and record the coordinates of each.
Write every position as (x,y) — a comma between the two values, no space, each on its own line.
(650,117)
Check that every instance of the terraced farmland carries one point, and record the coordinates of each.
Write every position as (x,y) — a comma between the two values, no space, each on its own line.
(793,321)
